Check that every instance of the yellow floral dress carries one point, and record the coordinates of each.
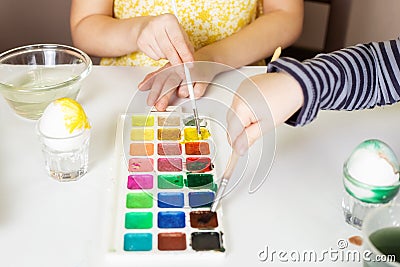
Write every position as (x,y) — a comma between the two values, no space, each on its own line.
(205,21)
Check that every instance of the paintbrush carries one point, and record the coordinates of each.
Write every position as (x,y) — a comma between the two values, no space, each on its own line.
(233,159)
(189,81)
(192,99)
(277,54)
(225,179)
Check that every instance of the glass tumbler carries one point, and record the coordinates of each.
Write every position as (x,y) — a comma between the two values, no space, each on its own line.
(66,159)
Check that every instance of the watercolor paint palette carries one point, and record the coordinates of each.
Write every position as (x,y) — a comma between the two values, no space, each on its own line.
(165,184)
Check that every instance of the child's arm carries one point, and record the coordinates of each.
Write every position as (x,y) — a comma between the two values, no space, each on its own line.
(353,78)
(357,77)
(279,25)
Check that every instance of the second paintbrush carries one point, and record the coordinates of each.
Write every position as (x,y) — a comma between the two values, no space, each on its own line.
(192,98)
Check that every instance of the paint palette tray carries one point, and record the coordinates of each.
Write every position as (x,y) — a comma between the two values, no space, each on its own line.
(164,186)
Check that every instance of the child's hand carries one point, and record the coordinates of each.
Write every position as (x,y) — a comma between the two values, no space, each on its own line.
(162,37)
(168,80)
(261,103)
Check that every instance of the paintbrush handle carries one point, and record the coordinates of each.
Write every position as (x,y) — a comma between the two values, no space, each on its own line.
(189,85)
(225,179)
(192,97)
(231,165)
(219,195)
(277,54)
(189,80)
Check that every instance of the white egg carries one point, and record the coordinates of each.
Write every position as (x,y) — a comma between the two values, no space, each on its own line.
(64,125)
(369,167)
(52,122)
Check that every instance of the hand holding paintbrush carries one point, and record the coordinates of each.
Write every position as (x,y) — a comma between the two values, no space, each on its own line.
(233,159)
(189,82)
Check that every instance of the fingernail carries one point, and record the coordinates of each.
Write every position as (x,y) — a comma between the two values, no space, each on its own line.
(160,107)
(141,86)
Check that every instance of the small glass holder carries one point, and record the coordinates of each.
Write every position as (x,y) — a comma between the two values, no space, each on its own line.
(66,159)
(359,198)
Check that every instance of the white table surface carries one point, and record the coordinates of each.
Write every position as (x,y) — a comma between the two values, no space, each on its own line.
(45,223)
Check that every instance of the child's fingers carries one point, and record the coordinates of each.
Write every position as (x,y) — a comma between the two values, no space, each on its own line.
(163,101)
(234,127)
(146,83)
(247,138)
(239,117)
(158,54)
(156,90)
(180,51)
(170,85)
(183,91)
(168,48)
(200,89)
(148,80)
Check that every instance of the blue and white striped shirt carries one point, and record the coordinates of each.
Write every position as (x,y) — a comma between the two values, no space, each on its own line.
(357,77)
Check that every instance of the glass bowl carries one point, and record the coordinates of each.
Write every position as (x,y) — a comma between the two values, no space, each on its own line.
(32,76)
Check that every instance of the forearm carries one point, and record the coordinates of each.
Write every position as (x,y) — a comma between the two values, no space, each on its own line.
(357,77)
(256,41)
(282,94)
(104,36)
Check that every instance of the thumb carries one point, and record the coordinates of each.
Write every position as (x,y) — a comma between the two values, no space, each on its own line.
(247,138)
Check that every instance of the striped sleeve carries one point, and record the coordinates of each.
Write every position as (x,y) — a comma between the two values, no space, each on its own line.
(353,78)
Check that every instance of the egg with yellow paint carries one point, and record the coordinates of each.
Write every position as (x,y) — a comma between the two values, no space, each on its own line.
(63,118)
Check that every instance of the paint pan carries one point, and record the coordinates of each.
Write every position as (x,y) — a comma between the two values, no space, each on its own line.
(169,149)
(141,149)
(203,219)
(205,241)
(197,148)
(164,187)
